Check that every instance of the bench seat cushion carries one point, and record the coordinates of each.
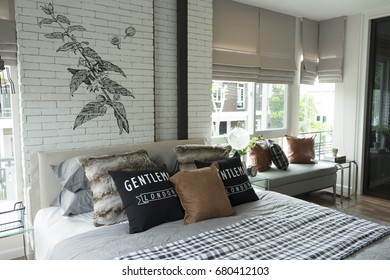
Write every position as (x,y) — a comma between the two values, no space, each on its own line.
(298,172)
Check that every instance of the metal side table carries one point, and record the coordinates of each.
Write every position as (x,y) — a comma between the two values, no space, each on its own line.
(347,165)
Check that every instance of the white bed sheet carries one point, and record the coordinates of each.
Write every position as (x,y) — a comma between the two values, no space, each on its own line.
(51,227)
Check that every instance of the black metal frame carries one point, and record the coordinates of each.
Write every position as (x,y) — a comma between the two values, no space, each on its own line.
(368,110)
(182,69)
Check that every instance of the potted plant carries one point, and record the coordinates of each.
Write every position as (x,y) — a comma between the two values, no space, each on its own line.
(259,153)
(385,131)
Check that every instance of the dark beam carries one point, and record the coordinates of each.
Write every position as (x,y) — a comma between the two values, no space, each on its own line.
(182,69)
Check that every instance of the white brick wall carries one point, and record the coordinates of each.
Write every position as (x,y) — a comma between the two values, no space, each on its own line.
(48,110)
(166,69)
(200,38)
(148,59)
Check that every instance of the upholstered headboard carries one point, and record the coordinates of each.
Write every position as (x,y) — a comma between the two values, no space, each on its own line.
(44,185)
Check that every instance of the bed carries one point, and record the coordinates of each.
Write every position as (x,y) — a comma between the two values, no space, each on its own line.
(272,226)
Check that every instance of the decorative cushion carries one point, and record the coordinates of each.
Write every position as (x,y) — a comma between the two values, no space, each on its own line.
(202,194)
(108,206)
(167,159)
(300,149)
(187,154)
(235,180)
(278,156)
(149,198)
(260,156)
(73,203)
(71,175)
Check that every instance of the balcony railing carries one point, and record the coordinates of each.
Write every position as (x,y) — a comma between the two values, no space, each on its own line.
(323,142)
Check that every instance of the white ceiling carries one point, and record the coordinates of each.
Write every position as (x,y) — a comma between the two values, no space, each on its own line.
(318,9)
(312,9)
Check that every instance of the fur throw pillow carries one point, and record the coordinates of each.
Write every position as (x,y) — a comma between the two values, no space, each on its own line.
(108,206)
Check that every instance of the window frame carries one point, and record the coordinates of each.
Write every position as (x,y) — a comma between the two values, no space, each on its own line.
(241,96)
(18,183)
(251,112)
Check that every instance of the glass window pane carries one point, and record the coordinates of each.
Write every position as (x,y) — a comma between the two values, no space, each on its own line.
(8,188)
(230,105)
(316,115)
(270,105)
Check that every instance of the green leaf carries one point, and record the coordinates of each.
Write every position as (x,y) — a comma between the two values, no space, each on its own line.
(68,46)
(89,112)
(45,21)
(75,28)
(89,52)
(120,114)
(63,19)
(78,78)
(108,66)
(113,87)
(55,35)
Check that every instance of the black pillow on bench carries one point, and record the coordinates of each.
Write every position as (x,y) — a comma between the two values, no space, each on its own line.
(235,180)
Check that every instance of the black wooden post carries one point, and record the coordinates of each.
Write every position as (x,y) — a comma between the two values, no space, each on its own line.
(182,69)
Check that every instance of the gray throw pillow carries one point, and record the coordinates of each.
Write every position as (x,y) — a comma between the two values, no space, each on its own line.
(70,173)
(167,159)
(73,203)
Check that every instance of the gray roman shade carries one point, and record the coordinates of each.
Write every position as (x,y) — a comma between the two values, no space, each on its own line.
(323,50)
(331,50)
(252,44)
(276,47)
(8,41)
(309,51)
(235,33)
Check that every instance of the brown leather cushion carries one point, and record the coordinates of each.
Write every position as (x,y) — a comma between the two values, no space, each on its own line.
(202,194)
(300,149)
(260,156)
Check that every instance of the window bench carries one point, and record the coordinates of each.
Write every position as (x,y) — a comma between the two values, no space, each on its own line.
(298,178)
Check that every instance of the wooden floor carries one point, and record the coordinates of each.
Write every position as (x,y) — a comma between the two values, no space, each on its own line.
(369,206)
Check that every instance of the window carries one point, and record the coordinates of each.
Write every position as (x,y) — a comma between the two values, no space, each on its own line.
(8,189)
(316,114)
(259,108)
(217,95)
(240,96)
(271,106)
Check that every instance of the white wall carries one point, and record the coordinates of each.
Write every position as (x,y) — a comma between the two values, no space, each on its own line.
(148,59)
(165,69)
(348,93)
(200,39)
(47,110)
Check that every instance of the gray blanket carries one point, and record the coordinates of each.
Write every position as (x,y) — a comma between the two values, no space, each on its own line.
(115,241)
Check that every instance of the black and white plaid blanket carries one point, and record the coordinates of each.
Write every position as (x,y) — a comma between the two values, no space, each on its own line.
(297,232)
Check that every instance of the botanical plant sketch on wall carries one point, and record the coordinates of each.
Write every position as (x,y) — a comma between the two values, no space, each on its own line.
(91,70)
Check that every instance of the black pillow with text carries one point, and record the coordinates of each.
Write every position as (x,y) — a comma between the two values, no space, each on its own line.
(235,180)
(149,198)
